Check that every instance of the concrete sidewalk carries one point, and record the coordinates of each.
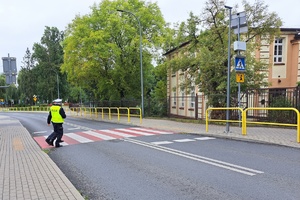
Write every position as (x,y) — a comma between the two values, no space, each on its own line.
(26,172)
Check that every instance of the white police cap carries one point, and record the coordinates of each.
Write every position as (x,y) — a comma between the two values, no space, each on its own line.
(57,101)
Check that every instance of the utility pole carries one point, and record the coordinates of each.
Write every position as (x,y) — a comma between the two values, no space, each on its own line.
(228,71)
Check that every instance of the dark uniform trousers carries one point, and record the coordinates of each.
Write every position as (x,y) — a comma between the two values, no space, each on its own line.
(57,133)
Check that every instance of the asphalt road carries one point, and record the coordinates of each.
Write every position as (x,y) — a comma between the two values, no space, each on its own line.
(173,166)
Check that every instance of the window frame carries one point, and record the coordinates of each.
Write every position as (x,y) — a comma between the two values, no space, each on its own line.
(174,99)
(182,98)
(193,97)
(278,50)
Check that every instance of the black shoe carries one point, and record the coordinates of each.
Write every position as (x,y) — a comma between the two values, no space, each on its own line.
(49,142)
(60,141)
(58,145)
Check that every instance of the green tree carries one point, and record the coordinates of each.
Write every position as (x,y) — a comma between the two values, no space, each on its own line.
(159,92)
(102,49)
(48,56)
(77,95)
(26,79)
(205,57)
(11,95)
(2,90)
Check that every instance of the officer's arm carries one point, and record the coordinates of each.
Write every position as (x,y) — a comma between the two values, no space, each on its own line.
(49,118)
(62,113)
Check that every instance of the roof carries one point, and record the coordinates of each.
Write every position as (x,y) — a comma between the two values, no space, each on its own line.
(178,47)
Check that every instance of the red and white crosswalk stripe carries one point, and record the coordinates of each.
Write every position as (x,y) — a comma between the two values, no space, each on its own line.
(99,135)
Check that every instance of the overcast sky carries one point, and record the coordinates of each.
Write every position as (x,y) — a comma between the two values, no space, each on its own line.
(22,22)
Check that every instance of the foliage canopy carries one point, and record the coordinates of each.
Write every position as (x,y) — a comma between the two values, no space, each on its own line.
(205,57)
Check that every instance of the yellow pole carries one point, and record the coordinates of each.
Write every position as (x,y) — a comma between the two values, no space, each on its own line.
(206,120)
(298,126)
(128,114)
(118,114)
(244,121)
(141,116)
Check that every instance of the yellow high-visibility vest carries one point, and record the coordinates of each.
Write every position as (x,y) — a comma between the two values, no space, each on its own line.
(56,117)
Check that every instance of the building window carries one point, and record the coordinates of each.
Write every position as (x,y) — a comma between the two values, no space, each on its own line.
(182,98)
(192,93)
(278,50)
(174,101)
(193,97)
(173,71)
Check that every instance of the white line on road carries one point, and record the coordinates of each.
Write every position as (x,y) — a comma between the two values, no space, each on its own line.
(184,140)
(37,132)
(73,128)
(217,163)
(118,133)
(161,142)
(152,131)
(132,131)
(78,138)
(99,135)
(205,138)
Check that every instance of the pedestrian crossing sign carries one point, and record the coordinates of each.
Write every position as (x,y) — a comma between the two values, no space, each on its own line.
(240,64)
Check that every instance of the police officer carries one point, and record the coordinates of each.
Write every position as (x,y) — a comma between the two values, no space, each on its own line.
(56,116)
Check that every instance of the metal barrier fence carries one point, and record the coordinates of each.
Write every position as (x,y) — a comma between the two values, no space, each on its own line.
(93,112)
(29,108)
(106,111)
(245,121)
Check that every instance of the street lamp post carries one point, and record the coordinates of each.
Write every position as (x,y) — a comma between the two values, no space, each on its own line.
(57,85)
(57,81)
(228,71)
(141,57)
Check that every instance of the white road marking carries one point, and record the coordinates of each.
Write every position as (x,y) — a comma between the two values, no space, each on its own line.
(184,140)
(161,142)
(37,132)
(205,138)
(152,131)
(118,133)
(73,128)
(210,161)
(99,135)
(62,143)
(136,132)
(78,138)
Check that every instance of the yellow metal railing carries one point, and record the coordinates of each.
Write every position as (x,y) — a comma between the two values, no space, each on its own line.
(85,111)
(28,108)
(219,120)
(245,122)
(109,111)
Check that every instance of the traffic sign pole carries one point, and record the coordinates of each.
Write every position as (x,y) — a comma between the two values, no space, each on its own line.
(240,22)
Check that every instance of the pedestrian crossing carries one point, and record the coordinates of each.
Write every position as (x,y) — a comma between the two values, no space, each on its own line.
(100,135)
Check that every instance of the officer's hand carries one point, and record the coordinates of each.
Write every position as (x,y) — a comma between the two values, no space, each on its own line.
(48,124)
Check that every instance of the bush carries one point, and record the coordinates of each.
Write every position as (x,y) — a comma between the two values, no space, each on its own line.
(281,116)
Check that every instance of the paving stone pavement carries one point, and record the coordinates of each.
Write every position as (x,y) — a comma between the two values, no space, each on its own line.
(27,172)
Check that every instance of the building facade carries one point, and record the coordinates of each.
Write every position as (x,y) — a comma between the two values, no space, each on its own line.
(282,55)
